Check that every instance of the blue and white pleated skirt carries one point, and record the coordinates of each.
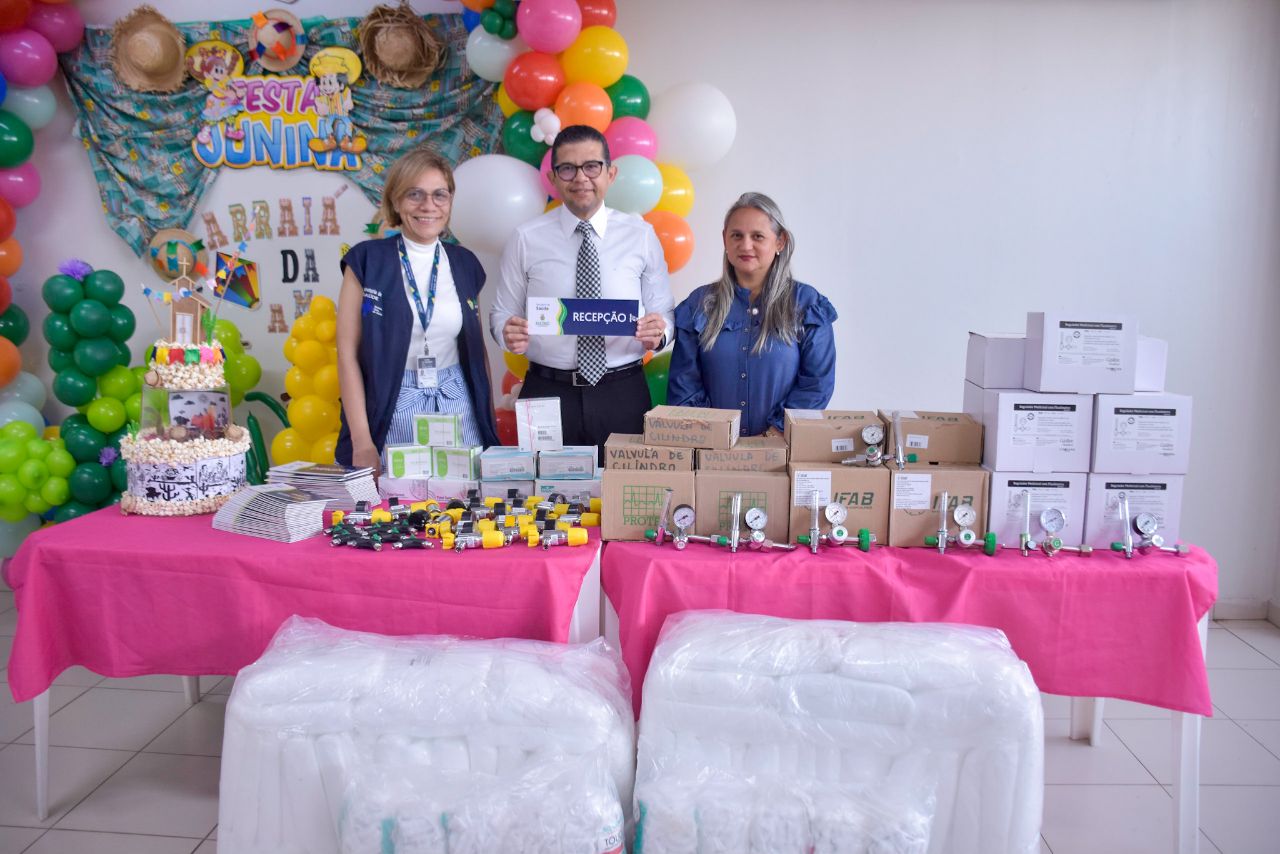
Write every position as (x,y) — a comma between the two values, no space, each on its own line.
(451,396)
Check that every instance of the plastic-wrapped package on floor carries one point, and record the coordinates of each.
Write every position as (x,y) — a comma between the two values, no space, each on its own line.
(764,734)
(340,742)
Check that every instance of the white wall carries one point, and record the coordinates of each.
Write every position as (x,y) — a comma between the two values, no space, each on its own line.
(947,165)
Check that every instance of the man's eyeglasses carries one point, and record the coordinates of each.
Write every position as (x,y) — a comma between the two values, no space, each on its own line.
(568,171)
(418,197)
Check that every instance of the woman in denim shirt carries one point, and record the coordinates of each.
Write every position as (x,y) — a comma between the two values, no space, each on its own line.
(757,340)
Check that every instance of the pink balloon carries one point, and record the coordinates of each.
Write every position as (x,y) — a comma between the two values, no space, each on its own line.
(20,185)
(544,172)
(549,26)
(60,23)
(27,58)
(630,135)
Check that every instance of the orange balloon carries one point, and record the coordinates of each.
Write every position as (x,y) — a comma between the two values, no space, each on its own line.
(533,80)
(675,235)
(10,362)
(10,256)
(477,5)
(584,104)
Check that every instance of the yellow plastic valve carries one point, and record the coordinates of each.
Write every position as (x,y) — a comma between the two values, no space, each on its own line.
(337,517)
(492,539)
(591,520)
(531,537)
(577,536)
(485,525)
(380,515)
(595,505)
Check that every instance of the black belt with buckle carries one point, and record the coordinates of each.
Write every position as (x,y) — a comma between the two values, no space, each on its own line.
(576,379)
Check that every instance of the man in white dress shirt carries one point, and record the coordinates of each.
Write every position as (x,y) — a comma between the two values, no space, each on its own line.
(599,380)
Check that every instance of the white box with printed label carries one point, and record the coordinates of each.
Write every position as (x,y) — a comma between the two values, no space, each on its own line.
(1026,431)
(1081,352)
(438,429)
(506,463)
(409,461)
(1145,433)
(572,462)
(1064,492)
(538,426)
(994,360)
(1157,494)
(579,491)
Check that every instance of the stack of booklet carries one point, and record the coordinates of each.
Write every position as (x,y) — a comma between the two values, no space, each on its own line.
(343,486)
(274,511)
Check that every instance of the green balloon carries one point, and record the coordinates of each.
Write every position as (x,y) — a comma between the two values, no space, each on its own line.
(629,97)
(61,293)
(508,31)
(120,474)
(114,439)
(491,21)
(106,414)
(90,318)
(11,490)
(104,286)
(71,510)
(655,375)
(73,387)
(38,449)
(33,473)
(85,443)
(242,372)
(517,142)
(36,504)
(226,334)
(133,407)
(14,324)
(96,356)
(16,140)
(13,453)
(55,491)
(18,430)
(119,382)
(90,483)
(13,513)
(123,323)
(123,356)
(505,8)
(60,360)
(61,464)
(59,332)
(71,422)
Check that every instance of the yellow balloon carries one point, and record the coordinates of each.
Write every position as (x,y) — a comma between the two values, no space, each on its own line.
(598,55)
(325,383)
(552,205)
(304,328)
(331,353)
(677,190)
(323,308)
(310,356)
(298,383)
(290,348)
(326,331)
(322,449)
(288,446)
(516,364)
(311,417)
(505,103)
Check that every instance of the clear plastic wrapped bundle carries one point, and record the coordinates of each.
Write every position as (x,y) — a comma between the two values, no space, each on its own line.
(342,742)
(760,734)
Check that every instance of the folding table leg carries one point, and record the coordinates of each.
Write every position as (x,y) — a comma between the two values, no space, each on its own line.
(1086,719)
(40,712)
(191,689)
(1186,774)
(584,626)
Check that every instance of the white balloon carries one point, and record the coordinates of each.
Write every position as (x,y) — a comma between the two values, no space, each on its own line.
(695,125)
(495,193)
(489,55)
(20,410)
(551,124)
(538,134)
(541,113)
(26,388)
(35,105)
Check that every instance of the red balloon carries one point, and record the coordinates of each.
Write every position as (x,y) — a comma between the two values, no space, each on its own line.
(13,14)
(506,426)
(508,382)
(598,13)
(533,80)
(8,220)
(6,295)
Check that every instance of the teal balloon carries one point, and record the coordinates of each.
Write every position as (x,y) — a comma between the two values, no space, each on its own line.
(14,324)
(58,331)
(90,318)
(13,533)
(61,293)
(123,323)
(60,360)
(75,421)
(492,22)
(123,356)
(95,356)
(638,186)
(36,105)
(120,474)
(73,387)
(508,31)
(655,376)
(84,443)
(114,439)
(630,97)
(16,140)
(90,483)
(72,510)
(517,142)
(104,286)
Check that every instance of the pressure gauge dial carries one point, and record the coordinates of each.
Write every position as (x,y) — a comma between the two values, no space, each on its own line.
(756,518)
(1145,524)
(839,534)
(966,537)
(836,513)
(683,517)
(965,515)
(1053,520)
(873,434)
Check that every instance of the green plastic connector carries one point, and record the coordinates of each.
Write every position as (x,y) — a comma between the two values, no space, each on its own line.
(989,544)
(1056,544)
(802,539)
(722,541)
(864,539)
(931,541)
(650,534)
(1117,547)
(913,458)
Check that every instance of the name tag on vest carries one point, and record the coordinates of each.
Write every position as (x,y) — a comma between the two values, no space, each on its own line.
(550,316)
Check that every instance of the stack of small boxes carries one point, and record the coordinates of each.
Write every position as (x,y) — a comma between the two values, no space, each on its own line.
(1075,415)
(541,464)
(437,465)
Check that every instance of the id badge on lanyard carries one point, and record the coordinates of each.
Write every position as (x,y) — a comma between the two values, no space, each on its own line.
(426,374)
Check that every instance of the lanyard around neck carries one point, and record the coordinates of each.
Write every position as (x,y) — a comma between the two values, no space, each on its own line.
(424,312)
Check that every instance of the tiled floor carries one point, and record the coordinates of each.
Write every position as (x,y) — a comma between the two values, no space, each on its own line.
(134,770)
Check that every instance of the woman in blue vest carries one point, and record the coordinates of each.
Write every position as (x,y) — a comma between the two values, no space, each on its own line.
(757,340)
(409,334)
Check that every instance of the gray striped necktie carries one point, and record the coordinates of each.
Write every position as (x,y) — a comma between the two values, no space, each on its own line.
(591,361)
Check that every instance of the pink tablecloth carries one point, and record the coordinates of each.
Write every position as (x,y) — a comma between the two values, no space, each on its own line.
(1101,626)
(128,596)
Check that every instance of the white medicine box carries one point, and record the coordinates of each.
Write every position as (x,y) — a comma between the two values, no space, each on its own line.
(1026,431)
(1080,352)
(1062,495)
(1142,433)
(995,360)
(538,425)
(1157,494)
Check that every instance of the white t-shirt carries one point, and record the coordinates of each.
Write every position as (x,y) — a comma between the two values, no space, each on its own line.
(446,320)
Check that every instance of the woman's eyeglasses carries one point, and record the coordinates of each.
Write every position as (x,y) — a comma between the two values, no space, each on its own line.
(418,197)
(568,171)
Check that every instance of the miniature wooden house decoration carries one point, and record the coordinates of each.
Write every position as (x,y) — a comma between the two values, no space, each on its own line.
(186,311)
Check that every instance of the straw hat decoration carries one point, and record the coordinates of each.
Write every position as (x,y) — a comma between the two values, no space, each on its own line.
(399,48)
(174,252)
(277,40)
(146,51)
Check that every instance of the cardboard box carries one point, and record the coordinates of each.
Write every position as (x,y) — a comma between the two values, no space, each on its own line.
(538,426)
(457,462)
(407,489)
(581,491)
(1065,492)
(914,494)
(1153,363)
(628,451)
(770,491)
(572,462)
(864,491)
(1158,494)
(751,453)
(501,488)
(438,430)
(994,360)
(1142,433)
(449,488)
(1027,431)
(691,427)
(633,500)
(507,463)
(973,397)
(409,461)
(1080,352)
(826,435)
(953,438)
